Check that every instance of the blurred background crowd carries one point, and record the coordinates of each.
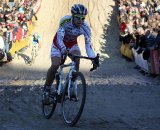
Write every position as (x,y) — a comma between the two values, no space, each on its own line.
(15,17)
(139,22)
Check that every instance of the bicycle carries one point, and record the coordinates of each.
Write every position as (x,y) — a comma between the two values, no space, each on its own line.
(70,92)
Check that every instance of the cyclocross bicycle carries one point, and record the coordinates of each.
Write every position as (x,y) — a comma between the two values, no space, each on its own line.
(69,91)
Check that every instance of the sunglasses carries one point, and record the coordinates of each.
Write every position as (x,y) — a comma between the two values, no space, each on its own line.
(79,17)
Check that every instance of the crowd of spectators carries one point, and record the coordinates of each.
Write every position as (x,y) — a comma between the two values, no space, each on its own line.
(139,22)
(15,16)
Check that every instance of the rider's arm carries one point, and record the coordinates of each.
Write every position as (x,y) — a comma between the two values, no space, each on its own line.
(60,36)
(90,51)
(88,44)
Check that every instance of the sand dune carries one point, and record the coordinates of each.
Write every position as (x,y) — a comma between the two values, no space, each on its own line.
(118,96)
(99,12)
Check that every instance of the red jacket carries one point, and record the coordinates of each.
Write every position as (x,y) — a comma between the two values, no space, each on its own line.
(123,26)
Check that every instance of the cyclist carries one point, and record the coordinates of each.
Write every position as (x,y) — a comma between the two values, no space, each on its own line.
(35,44)
(65,40)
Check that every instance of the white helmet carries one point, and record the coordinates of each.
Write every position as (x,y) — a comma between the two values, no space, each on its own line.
(79,9)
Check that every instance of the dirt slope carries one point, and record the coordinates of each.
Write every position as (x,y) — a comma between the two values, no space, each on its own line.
(118,96)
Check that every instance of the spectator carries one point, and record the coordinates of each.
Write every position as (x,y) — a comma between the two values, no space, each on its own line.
(2,45)
(140,44)
(1,8)
(21,9)
(157,40)
(15,15)
(150,39)
(11,4)
(33,13)
(1,18)
(35,45)
(2,56)
(7,39)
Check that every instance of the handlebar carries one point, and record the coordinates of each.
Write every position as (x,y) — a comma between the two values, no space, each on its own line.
(95,60)
(73,56)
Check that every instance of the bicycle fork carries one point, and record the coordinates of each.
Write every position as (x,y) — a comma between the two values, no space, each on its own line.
(72,87)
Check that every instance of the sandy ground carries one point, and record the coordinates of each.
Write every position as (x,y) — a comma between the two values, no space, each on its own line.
(118,96)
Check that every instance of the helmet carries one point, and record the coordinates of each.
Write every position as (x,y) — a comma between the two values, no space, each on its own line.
(79,9)
(2,55)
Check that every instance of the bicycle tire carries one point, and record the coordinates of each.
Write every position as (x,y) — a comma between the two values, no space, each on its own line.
(80,81)
(52,106)
(50,110)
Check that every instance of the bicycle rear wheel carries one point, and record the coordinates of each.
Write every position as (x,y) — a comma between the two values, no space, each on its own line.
(72,109)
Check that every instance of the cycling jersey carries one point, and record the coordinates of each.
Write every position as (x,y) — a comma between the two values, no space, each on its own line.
(66,36)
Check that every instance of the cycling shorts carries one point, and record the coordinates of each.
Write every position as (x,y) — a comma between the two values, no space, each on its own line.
(55,52)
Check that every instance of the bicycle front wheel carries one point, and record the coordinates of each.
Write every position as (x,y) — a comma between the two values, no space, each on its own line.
(49,108)
(73,107)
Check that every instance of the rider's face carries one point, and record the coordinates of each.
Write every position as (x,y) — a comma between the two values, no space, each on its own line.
(78,20)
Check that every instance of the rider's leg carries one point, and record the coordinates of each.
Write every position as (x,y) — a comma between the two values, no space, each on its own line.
(73,89)
(77,60)
(75,50)
(56,60)
(52,70)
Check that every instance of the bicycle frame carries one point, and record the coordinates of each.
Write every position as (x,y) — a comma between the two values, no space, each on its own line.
(69,76)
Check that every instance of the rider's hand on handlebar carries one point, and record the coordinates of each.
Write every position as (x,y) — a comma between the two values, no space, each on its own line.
(95,62)
(64,52)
